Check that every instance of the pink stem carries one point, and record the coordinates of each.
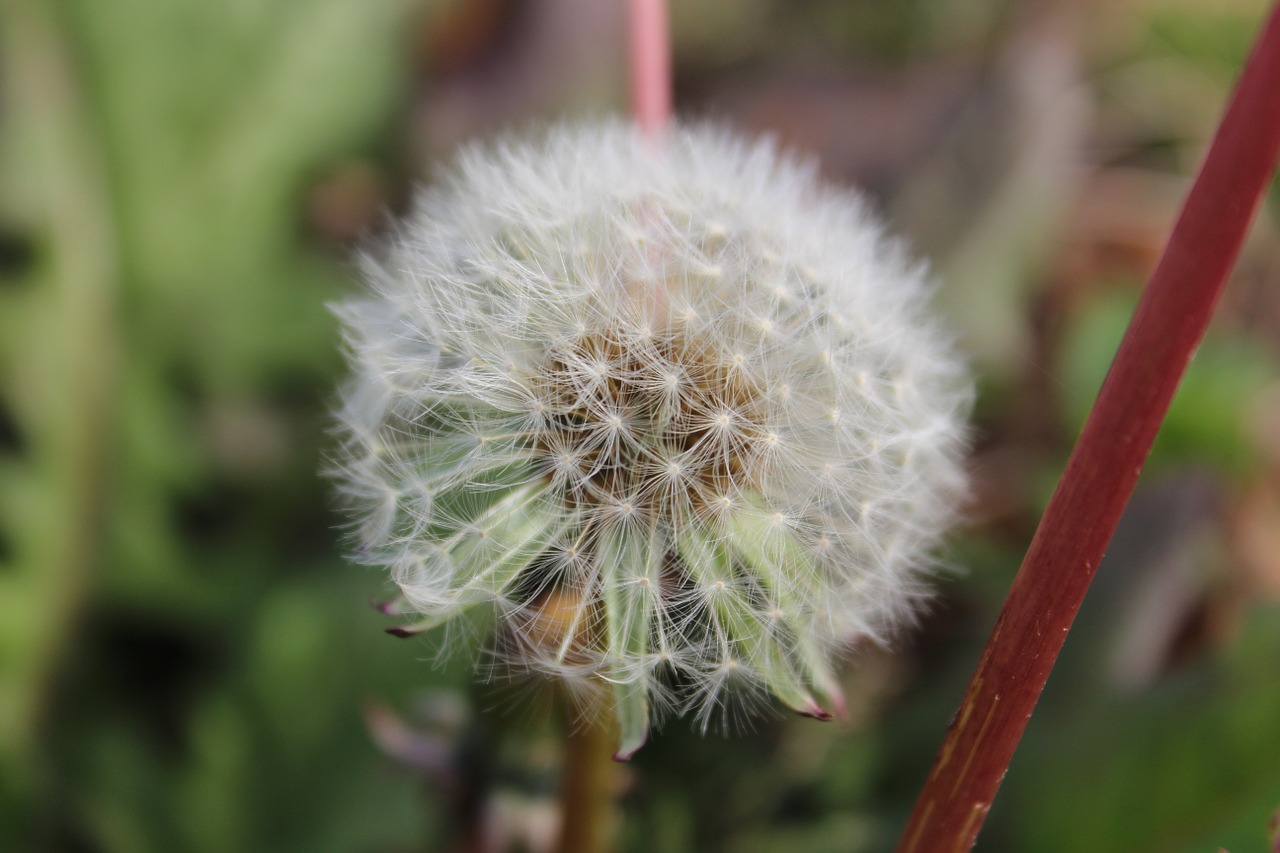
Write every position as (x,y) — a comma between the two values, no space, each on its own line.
(1101,473)
(650,65)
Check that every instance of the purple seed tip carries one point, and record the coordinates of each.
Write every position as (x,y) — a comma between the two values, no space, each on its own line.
(815,711)
(400,631)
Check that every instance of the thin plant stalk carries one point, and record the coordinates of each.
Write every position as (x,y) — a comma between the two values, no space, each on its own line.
(588,787)
(1082,515)
(650,49)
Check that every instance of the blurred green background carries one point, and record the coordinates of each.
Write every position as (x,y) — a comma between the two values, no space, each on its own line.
(187,663)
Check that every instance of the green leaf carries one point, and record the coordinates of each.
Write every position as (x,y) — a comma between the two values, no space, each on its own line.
(631,566)
(742,629)
(787,574)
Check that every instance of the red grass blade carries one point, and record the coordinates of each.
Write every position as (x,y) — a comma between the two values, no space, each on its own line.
(1083,513)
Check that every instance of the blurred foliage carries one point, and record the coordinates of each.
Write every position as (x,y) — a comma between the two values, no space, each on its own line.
(1154,771)
(1208,422)
(181,660)
(186,662)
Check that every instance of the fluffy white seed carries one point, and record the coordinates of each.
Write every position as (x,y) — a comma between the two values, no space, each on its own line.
(676,413)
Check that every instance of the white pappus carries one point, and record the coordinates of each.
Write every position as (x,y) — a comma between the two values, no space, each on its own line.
(675,413)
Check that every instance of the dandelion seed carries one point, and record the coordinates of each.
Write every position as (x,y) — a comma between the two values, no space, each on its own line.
(640,431)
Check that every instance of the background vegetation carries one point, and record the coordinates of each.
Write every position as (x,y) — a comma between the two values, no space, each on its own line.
(187,663)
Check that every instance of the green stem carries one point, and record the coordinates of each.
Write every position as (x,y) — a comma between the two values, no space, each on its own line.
(588,786)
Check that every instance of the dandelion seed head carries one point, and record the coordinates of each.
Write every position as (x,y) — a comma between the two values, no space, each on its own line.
(610,391)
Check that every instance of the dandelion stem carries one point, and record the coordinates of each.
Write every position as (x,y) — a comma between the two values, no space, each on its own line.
(1101,473)
(587,789)
(650,65)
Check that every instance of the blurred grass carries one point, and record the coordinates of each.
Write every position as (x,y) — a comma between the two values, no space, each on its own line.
(186,662)
(177,673)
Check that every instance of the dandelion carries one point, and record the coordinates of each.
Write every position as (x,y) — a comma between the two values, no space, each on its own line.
(674,414)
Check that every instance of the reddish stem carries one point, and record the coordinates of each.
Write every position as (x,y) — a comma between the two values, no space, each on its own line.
(1083,513)
(650,65)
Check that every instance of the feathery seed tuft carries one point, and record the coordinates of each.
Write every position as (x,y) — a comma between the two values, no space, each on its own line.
(678,417)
